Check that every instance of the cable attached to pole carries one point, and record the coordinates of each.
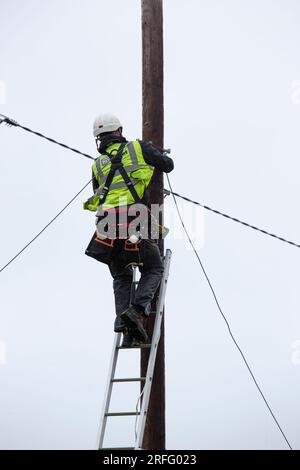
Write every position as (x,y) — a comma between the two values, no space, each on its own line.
(234,219)
(12,122)
(225,319)
(43,229)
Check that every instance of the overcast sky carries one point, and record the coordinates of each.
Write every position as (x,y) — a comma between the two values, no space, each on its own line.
(232,115)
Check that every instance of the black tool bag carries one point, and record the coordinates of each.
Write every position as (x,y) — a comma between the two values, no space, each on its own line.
(100,249)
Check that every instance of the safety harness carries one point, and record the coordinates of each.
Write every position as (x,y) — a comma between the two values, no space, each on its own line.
(117,165)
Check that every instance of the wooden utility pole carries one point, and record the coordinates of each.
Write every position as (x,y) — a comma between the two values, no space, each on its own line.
(153,130)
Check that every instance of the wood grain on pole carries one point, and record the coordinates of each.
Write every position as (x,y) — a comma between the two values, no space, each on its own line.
(153,130)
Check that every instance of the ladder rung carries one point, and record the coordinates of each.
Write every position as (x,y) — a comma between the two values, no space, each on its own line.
(141,346)
(124,413)
(130,379)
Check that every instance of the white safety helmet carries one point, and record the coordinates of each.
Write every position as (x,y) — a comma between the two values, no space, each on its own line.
(106,123)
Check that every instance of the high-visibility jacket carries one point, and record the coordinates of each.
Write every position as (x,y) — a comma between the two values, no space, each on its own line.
(139,172)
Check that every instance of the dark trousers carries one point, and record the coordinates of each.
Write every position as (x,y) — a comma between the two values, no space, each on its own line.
(151,268)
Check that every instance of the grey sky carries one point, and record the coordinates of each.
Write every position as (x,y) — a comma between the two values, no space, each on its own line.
(232,114)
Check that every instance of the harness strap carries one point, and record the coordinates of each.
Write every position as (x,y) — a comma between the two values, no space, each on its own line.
(130,184)
(116,161)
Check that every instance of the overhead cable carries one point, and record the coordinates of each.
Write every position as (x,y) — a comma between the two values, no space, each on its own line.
(234,219)
(225,319)
(12,122)
(43,229)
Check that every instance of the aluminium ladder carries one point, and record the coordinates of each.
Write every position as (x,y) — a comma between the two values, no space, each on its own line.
(142,414)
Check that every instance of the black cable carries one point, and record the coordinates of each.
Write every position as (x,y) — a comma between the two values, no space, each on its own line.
(11,122)
(225,319)
(46,226)
(234,219)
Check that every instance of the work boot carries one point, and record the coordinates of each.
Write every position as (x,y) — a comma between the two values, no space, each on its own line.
(133,320)
(119,325)
(129,341)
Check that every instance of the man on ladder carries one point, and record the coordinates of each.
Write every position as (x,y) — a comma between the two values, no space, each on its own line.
(124,235)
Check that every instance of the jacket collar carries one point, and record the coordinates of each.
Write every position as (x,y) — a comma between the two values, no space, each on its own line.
(109,140)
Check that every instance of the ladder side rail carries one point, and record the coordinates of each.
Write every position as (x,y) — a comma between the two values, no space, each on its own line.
(108,390)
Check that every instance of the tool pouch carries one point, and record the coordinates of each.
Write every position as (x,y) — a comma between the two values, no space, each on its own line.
(100,249)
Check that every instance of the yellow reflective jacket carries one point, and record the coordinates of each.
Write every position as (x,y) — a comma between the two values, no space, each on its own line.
(139,172)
